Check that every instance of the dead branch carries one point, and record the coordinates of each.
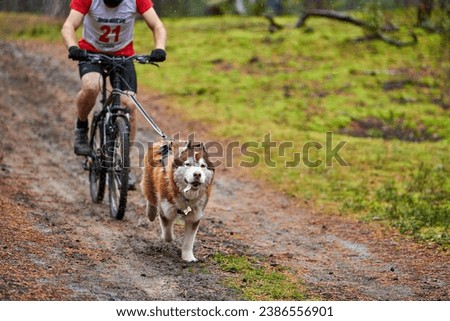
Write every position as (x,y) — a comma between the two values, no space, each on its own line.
(389,40)
(373,33)
(398,43)
(273,25)
(339,16)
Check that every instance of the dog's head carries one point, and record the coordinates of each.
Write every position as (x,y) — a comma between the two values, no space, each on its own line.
(193,171)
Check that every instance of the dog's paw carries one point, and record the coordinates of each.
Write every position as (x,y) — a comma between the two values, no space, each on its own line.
(189,257)
(143,222)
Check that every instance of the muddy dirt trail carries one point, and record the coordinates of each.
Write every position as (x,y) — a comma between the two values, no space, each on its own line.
(55,244)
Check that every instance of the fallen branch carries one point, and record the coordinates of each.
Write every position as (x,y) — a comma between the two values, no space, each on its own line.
(398,43)
(273,26)
(339,16)
(389,40)
(373,33)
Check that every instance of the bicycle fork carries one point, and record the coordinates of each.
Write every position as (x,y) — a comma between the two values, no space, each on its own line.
(91,159)
(107,146)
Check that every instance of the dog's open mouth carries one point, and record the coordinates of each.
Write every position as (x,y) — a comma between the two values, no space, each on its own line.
(192,185)
(196,184)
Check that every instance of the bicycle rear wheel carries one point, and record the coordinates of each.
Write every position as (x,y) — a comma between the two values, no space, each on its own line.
(97,173)
(119,154)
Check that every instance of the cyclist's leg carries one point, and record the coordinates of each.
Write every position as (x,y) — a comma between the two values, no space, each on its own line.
(86,98)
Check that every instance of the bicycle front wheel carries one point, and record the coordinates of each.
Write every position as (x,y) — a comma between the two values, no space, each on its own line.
(97,172)
(119,155)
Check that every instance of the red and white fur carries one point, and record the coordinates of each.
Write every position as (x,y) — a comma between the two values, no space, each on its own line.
(177,186)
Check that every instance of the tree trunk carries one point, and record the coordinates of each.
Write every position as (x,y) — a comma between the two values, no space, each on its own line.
(275,6)
(58,8)
(424,10)
(316,4)
(240,7)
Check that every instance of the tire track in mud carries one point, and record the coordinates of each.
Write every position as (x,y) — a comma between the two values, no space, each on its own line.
(338,258)
(109,260)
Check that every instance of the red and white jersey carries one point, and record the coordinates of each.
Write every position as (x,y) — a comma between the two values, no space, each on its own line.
(109,30)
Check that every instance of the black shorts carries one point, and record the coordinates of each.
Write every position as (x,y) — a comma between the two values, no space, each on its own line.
(128,74)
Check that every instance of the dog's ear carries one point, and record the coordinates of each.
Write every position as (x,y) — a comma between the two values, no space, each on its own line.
(210,164)
(191,147)
(180,158)
(194,145)
(205,152)
(205,156)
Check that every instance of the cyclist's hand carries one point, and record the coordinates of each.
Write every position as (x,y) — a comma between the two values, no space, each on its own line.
(158,55)
(76,53)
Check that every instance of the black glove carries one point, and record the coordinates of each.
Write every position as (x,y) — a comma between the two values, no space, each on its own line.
(158,55)
(76,53)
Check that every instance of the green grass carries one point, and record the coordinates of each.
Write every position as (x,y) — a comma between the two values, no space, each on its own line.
(297,85)
(259,282)
(231,73)
(29,26)
(418,207)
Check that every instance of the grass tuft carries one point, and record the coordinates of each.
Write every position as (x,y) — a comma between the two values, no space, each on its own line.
(418,206)
(259,282)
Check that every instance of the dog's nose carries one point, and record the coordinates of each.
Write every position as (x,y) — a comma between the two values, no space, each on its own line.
(197,175)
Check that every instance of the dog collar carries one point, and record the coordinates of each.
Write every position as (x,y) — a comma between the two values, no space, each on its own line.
(187,210)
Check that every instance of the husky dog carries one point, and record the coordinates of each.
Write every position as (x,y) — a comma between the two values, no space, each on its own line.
(177,184)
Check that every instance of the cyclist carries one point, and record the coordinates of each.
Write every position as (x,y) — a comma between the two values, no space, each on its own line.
(107,28)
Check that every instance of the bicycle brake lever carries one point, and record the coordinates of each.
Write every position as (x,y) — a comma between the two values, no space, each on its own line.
(94,60)
(142,60)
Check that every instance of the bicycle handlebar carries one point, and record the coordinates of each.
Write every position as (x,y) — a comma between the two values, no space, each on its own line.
(98,58)
(143,59)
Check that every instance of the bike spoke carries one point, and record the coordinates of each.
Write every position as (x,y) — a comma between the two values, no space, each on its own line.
(97,175)
(118,172)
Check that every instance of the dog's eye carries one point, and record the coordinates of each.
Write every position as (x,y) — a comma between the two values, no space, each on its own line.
(203,166)
(187,164)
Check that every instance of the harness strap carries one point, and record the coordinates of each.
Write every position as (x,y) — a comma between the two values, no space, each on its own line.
(148,118)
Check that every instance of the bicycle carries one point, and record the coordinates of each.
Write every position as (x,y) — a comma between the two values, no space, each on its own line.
(110,137)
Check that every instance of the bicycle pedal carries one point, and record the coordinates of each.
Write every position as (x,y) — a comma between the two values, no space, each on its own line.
(87,163)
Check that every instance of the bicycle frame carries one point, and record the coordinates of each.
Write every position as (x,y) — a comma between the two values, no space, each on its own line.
(114,98)
(112,107)
(110,142)
(110,136)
